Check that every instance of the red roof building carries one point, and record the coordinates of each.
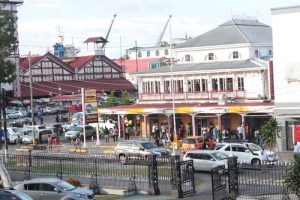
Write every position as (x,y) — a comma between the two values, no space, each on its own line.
(53,76)
(139,65)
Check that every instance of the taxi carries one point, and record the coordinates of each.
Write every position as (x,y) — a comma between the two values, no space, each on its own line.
(192,143)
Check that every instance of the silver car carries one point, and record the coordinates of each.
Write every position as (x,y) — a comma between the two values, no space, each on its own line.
(75,131)
(53,188)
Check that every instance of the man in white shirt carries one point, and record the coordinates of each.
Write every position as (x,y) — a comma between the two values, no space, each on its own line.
(296,149)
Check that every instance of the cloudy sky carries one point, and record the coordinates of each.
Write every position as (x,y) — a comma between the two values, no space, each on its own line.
(137,20)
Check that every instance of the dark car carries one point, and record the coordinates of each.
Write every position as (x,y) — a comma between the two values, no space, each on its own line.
(11,194)
(57,129)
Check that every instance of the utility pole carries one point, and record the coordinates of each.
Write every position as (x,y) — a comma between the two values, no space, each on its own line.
(136,57)
(4,120)
(1,117)
(31,98)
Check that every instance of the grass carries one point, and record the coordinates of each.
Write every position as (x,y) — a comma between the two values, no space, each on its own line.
(108,197)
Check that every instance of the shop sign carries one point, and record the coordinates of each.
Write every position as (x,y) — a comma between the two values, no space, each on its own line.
(90,96)
(91,118)
(237,109)
(297,133)
(184,110)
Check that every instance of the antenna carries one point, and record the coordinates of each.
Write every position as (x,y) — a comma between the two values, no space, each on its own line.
(60,34)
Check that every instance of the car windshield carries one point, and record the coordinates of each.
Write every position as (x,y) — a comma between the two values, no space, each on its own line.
(65,186)
(254,147)
(148,145)
(76,128)
(219,155)
(188,141)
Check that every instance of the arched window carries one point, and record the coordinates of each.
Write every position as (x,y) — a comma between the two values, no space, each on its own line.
(148,54)
(211,56)
(139,54)
(157,52)
(187,58)
(166,52)
(235,54)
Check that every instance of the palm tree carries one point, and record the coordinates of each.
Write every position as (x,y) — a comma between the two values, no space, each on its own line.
(270,132)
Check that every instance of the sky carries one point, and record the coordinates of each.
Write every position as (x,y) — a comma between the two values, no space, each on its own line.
(41,21)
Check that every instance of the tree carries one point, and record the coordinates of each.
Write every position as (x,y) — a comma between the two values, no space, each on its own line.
(8,45)
(126,98)
(292,180)
(270,132)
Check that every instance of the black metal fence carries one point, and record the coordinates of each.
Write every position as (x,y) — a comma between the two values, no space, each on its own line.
(152,174)
(246,181)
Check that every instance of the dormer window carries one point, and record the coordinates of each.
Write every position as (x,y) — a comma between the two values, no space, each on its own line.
(139,54)
(166,52)
(256,53)
(187,58)
(157,53)
(235,55)
(148,53)
(211,56)
(270,52)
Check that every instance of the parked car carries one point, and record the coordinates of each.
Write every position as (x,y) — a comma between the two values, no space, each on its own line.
(247,152)
(15,133)
(74,132)
(57,129)
(11,194)
(40,135)
(139,148)
(53,188)
(195,143)
(205,160)
(17,114)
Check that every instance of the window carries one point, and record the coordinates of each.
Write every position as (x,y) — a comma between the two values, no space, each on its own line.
(256,53)
(157,52)
(235,54)
(33,186)
(47,187)
(148,54)
(166,52)
(241,149)
(116,76)
(197,85)
(139,54)
(157,87)
(108,76)
(189,85)
(241,83)
(187,58)
(106,69)
(211,56)
(229,84)
(179,86)
(214,83)
(204,85)
(222,84)
(167,88)
(270,52)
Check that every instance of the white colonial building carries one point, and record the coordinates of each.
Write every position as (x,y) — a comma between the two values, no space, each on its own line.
(222,77)
(287,73)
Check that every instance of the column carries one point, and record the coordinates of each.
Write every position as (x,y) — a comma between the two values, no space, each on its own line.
(145,126)
(219,121)
(243,123)
(193,124)
(169,125)
(119,126)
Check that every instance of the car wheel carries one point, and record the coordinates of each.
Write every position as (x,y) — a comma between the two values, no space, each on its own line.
(255,161)
(122,159)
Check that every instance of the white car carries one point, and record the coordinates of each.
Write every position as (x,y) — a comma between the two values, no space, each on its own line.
(205,160)
(17,114)
(247,152)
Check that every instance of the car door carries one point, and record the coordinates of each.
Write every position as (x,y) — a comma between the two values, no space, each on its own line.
(244,154)
(48,192)
(234,151)
(33,190)
(199,161)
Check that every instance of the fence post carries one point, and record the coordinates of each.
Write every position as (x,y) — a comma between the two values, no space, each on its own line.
(153,174)
(176,175)
(28,170)
(233,177)
(59,174)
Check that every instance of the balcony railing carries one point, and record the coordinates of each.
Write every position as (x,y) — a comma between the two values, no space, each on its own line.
(208,95)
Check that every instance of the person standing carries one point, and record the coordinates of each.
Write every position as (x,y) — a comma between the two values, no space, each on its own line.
(115,134)
(240,132)
(49,143)
(220,135)
(106,134)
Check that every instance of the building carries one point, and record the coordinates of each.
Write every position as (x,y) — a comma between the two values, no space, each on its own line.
(222,77)
(287,73)
(12,5)
(57,76)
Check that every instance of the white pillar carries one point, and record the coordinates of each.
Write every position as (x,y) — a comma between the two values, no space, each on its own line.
(193,124)
(243,122)
(219,122)
(83,117)
(119,126)
(145,127)
(97,134)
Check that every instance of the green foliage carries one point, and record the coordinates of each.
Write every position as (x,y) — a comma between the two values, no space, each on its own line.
(292,180)
(8,45)
(126,98)
(270,132)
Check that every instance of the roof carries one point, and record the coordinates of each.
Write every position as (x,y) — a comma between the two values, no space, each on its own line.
(78,62)
(234,31)
(229,65)
(66,98)
(95,40)
(134,65)
(74,86)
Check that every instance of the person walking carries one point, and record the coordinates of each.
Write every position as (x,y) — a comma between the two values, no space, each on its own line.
(55,142)
(115,134)
(49,143)
(240,132)
(106,134)
(220,136)
(77,142)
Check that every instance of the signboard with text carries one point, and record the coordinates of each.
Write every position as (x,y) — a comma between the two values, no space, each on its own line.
(90,96)
(90,106)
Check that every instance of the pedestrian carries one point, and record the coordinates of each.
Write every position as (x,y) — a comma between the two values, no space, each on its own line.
(220,136)
(18,141)
(49,143)
(57,118)
(163,130)
(189,129)
(81,137)
(115,134)
(126,133)
(77,142)
(106,134)
(55,142)
(240,132)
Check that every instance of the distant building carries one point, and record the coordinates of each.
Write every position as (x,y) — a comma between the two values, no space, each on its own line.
(286,42)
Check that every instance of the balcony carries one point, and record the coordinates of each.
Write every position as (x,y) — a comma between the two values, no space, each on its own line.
(189,96)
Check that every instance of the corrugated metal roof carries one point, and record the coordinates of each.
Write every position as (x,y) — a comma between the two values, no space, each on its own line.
(233,32)
(230,65)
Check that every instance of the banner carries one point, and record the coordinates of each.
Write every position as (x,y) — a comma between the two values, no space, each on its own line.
(90,106)
(297,133)
(90,96)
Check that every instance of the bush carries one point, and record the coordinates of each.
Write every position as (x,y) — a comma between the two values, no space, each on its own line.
(292,180)
(74,182)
